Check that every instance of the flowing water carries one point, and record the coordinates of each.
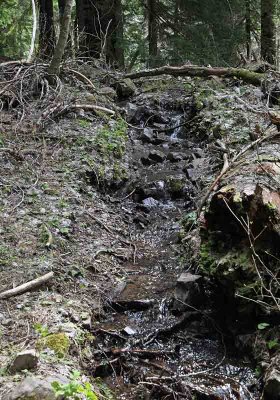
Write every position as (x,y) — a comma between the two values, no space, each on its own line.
(151,344)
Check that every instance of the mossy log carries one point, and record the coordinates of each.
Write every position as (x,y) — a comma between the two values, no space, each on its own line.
(254,78)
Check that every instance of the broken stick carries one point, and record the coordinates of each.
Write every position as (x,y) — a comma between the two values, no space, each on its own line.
(25,287)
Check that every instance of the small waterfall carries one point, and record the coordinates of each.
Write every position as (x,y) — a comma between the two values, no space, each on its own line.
(176,121)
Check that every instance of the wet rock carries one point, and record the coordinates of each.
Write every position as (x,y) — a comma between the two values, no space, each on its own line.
(27,359)
(272,380)
(131,110)
(272,386)
(160,126)
(157,156)
(129,331)
(147,135)
(188,289)
(150,202)
(132,305)
(159,139)
(198,152)
(125,88)
(36,388)
(174,157)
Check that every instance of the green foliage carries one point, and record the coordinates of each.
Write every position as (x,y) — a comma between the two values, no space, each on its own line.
(84,123)
(273,344)
(262,326)
(15,27)
(75,388)
(42,330)
(111,140)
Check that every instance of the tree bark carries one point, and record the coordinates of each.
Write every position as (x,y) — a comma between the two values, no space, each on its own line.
(46,28)
(152,32)
(248,28)
(193,70)
(268,31)
(100,24)
(54,67)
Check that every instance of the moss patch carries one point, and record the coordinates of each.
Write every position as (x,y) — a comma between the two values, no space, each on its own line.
(58,342)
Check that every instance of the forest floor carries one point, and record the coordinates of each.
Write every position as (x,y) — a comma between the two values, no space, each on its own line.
(107,206)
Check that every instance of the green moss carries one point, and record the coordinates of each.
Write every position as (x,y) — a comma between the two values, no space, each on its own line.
(58,342)
(84,123)
(176,185)
(111,140)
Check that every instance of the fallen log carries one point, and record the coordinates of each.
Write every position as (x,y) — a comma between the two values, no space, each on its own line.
(254,78)
(26,287)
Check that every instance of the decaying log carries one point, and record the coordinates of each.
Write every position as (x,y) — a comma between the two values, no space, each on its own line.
(25,287)
(254,78)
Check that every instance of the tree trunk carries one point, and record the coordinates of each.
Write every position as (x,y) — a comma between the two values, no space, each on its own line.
(46,28)
(194,70)
(54,67)
(152,32)
(248,28)
(268,31)
(100,24)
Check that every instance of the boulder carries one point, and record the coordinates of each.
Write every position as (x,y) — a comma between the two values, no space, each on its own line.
(174,157)
(147,135)
(36,388)
(125,88)
(157,156)
(272,380)
(27,359)
(187,289)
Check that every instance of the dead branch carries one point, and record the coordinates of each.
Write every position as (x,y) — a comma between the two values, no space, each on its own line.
(194,70)
(26,287)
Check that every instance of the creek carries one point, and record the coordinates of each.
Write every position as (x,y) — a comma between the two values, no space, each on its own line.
(161,336)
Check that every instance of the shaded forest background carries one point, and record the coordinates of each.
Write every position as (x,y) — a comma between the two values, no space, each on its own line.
(145,33)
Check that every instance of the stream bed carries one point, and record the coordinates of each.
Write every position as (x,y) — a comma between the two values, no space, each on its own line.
(158,337)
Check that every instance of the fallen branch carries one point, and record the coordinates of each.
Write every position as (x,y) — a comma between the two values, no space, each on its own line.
(254,78)
(26,287)
(92,107)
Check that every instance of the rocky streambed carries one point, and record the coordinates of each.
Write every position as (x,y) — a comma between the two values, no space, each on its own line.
(161,335)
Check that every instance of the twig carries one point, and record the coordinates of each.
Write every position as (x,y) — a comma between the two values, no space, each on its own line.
(26,287)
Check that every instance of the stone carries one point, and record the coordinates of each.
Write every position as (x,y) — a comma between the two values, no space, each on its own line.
(150,202)
(174,157)
(272,385)
(131,110)
(108,91)
(187,289)
(36,388)
(147,135)
(125,88)
(27,359)
(129,331)
(157,156)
